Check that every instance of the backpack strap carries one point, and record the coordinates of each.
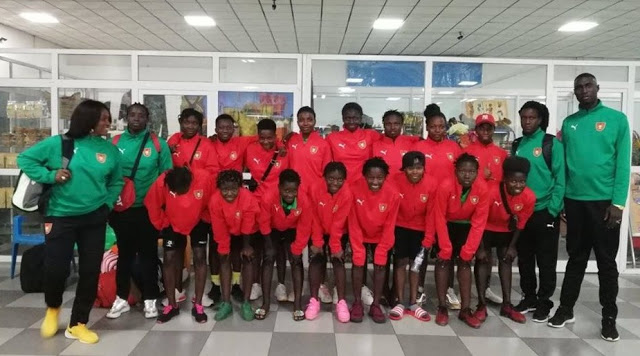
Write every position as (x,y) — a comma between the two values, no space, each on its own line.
(547,148)
(156,142)
(514,145)
(116,139)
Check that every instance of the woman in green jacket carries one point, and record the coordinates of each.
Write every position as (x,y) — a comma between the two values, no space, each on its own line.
(82,194)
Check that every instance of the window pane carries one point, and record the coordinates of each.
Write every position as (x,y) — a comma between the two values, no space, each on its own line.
(25,65)
(165,109)
(94,66)
(377,86)
(175,69)
(258,70)
(500,90)
(247,108)
(25,118)
(603,74)
(116,99)
(635,157)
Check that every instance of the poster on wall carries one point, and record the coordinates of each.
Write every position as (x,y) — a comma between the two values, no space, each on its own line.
(247,108)
(497,108)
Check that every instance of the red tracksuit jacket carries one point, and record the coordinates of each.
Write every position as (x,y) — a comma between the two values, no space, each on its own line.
(231,154)
(450,208)
(392,151)
(272,217)
(329,215)
(232,219)
(439,157)
(204,156)
(521,205)
(352,149)
(181,212)
(372,220)
(417,203)
(308,158)
(489,156)
(257,161)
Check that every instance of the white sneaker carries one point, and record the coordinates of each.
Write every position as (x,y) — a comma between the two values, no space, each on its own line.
(452,302)
(335,295)
(119,306)
(256,291)
(492,297)
(206,301)
(150,309)
(281,293)
(366,295)
(180,297)
(324,294)
(291,297)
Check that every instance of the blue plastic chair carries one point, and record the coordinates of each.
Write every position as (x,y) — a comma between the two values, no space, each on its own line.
(26,239)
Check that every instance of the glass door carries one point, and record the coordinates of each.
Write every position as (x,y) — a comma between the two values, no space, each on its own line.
(165,107)
(567,104)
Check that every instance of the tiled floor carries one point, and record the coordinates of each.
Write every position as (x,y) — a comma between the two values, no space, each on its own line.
(21,314)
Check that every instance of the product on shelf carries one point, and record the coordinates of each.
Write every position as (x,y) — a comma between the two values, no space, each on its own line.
(3,199)
(10,160)
(2,155)
(9,196)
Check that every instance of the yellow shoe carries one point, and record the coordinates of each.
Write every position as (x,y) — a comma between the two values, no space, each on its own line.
(82,334)
(49,325)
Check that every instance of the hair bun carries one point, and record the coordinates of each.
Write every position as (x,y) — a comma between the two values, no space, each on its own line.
(432,110)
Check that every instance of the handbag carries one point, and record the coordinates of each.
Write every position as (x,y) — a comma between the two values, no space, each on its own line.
(252,184)
(128,194)
(30,195)
(513,219)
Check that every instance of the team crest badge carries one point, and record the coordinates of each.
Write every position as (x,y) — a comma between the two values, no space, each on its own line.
(147,152)
(474,200)
(496,160)
(313,149)
(233,155)
(101,157)
(450,156)
(277,164)
(238,215)
(47,228)
(600,126)
(517,207)
(197,155)
(424,198)
(297,212)
(335,208)
(537,151)
(382,207)
(362,144)
(198,194)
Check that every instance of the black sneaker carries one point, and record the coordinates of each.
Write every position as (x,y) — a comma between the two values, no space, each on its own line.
(215,294)
(237,293)
(541,315)
(563,316)
(609,331)
(198,313)
(526,305)
(167,314)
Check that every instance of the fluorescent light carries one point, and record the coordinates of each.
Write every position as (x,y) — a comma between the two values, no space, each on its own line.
(417,98)
(393,98)
(388,24)
(344,95)
(346,90)
(251,60)
(200,21)
(315,96)
(244,60)
(577,26)
(467,83)
(439,103)
(39,17)
(354,80)
(323,96)
(446,92)
(250,87)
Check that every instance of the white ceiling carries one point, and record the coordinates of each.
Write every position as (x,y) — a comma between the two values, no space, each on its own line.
(492,28)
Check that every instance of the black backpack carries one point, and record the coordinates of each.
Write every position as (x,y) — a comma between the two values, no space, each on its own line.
(547,147)
(32,270)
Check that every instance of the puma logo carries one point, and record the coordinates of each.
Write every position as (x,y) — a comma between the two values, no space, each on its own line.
(401,195)
(552,225)
(173,194)
(121,150)
(295,147)
(176,153)
(256,160)
(575,127)
(429,156)
(321,204)
(360,201)
(383,152)
(497,203)
(342,145)
(75,149)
